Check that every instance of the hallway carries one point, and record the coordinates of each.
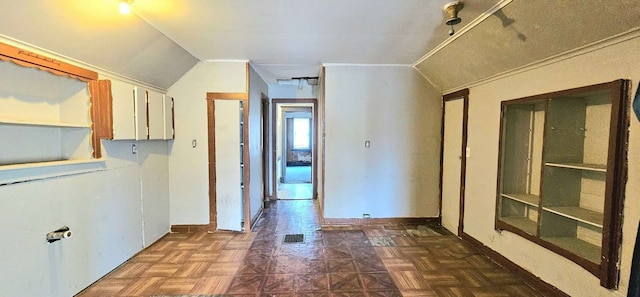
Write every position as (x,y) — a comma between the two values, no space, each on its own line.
(368,261)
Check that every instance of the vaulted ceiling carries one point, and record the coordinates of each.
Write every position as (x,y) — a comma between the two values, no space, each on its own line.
(163,39)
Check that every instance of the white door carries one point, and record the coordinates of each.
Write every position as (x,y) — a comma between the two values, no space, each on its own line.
(229,198)
(452,163)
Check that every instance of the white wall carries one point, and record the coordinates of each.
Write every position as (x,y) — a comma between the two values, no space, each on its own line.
(153,160)
(616,61)
(399,112)
(104,210)
(257,86)
(188,166)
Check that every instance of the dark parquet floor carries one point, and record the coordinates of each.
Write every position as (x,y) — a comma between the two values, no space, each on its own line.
(363,261)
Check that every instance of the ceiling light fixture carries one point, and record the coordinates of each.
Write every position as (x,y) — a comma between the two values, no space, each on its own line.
(125,6)
(451,9)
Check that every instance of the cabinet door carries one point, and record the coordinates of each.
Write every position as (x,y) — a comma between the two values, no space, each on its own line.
(156,115)
(168,118)
(141,112)
(124,125)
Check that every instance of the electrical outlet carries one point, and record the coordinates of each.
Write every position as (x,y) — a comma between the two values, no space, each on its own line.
(134,149)
(366,216)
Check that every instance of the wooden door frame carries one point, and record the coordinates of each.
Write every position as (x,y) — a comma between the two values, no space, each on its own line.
(464,95)
(213,214)
(265,146)
(314,150)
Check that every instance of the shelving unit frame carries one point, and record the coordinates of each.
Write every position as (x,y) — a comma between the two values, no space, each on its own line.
(576,197)
(48,113)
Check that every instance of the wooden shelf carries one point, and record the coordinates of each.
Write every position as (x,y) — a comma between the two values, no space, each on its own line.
(521,223)
(579,166)
(51,124)
(583,215)
(581,248)
(533,200)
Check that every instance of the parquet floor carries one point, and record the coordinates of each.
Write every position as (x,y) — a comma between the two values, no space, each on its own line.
(369,261)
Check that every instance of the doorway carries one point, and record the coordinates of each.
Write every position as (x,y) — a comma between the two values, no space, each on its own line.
(294,132)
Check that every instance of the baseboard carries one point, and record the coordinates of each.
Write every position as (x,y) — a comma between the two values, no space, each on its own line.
(541,286)
(327,222)
(190,228)
(256,217)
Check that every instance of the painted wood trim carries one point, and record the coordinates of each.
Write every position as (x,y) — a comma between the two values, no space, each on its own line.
(314,164)
(328,222)
(247,164)
(541,286)
(101,114)
(461,94)
(146,101)
(265,105)
(228,96)
(616,181)
(213,214)
(255,218)
(323,78)
(32,60)
(191,228)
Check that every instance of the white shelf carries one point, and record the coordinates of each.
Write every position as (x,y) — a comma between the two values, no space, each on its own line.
(522,223)
(49,164)
(529,199)
(579,166)
(579,247)
(52,124)
(579,214)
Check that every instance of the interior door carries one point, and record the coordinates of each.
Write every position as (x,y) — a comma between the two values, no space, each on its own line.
(452,163)
(228,165)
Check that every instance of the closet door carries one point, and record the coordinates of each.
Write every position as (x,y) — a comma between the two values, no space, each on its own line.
(228,164)
(452,163)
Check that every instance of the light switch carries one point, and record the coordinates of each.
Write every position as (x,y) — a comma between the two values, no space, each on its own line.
(468,152)
(134,149)
(367,144)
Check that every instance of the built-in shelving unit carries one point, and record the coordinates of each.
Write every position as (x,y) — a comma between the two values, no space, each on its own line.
(560,155)
(45,114)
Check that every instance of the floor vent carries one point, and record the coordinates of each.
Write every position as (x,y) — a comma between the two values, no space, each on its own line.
(294,238)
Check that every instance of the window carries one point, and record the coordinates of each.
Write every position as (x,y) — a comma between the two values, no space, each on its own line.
(301,139)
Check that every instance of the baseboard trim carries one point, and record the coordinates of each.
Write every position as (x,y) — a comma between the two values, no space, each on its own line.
(328,222)
(543,287)
(190,228)
(256,217)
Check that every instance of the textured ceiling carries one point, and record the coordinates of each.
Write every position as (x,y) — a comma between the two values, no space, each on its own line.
(96,33)
(537,30)
(163,39)
(285,38)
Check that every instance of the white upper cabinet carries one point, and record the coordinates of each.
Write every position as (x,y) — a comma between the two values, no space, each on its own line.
(124,125)
(155,104)
(141,111)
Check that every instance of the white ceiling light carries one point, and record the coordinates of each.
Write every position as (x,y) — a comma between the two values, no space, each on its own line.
(125,6)
(451,9)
